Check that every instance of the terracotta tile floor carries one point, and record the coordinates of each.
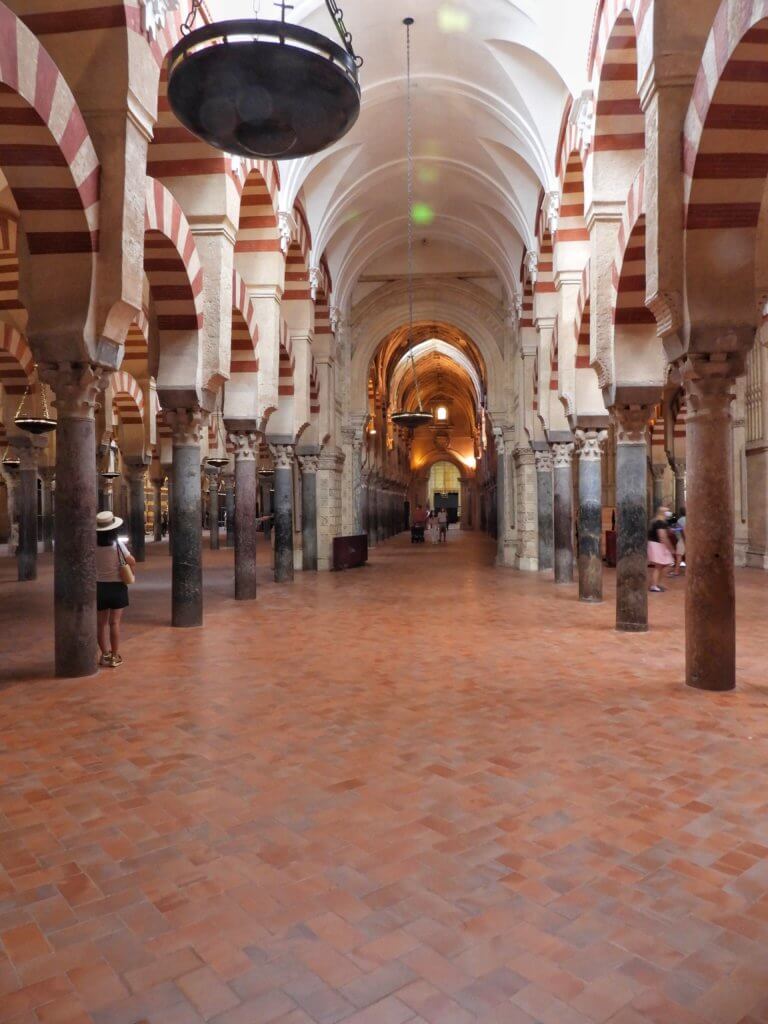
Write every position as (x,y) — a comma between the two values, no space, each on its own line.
(429,791)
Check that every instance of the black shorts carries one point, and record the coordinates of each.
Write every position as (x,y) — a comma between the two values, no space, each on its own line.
(111,596)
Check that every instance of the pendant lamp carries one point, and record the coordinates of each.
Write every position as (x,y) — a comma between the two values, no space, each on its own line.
(218,461)
(24,418)
(265,89)
(10,461)
(110,472)
(410,418)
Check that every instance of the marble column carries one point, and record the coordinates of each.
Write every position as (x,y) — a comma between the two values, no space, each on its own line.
(213,475)
(283,455)
(657,471)
(47,477)
(710,596)
(186,516)
(246,444)
(373,510)
(77,389)
(27,450)
(358,488)
(590,559)
(170,511)
(309,465)
(157,510)
(229,505)
(545,500)
(137,518)
(631,518)
(381,515)
(501,498)
(106,493)
(679,469)
(563,511)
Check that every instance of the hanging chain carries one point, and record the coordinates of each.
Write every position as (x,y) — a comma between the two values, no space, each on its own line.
(186,25)
(25,396)
(346,36)
(411,189)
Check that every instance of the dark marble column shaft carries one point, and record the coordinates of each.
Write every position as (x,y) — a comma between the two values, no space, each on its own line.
(137,518)
(186,511)
(590,514)
(283,455)
(680,497)
(213,508)
(157,510)
(246,444)
(710,594)
(563,511)
(631,519)
(309,466)
(26,499)
(229,504)
(657,472)
(47,477)
(545,498)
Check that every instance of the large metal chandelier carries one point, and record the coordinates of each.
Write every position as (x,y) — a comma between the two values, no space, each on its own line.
(405,417)
(265,89)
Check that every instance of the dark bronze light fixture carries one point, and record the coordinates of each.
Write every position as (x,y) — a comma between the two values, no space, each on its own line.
(25,420)
(265,89)
(410,418)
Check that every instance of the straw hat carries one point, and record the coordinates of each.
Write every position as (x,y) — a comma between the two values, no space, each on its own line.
(107,521)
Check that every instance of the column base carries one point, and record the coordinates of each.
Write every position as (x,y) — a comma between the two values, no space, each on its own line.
(632,627)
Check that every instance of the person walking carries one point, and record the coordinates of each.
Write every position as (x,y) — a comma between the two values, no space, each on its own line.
(442,526)
(112,556)
(661,549)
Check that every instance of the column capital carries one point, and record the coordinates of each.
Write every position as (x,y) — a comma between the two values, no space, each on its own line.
(283,455)
(523,455)
(562,452)
(709,387)
(309,463)
(134,470)
(658,470)
(631,423)
(47,474)
(77,387)
(186,426)
(245,443)
(678,467)
(543,460)
(591,444)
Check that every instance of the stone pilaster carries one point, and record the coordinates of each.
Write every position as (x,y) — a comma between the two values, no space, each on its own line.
(47,476)
(590,450)
(562,453)
(246,445)
(545,504)
(283,456)
(77,388)
(309,466)
(526,557)
(186,517)
(631,517)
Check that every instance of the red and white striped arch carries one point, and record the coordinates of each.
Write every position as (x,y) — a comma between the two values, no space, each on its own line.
(619,121)
(171,262)
(571,226)
(137,345)
(297,261)
(45,151)
(245,330)
(628,271)
(554,358)
(127,399)
(583,322)
(9,265)
(607,13)
(314,390)
(257,230)
(17,365)
(286,383)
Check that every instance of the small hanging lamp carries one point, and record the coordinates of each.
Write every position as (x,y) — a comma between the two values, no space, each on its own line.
(408,418)
(24,418)
(10,461)
(110,472)
(218,461)
(265,89)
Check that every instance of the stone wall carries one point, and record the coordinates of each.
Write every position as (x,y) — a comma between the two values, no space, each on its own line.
(329,505)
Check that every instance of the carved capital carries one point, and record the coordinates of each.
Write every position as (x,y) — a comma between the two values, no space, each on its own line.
(309,463)
(314,282)
(523,455)
(591,444)
(667,309)
(678,466)
(283,455)
(286,227)
(186,426)
(246,445)
(543,461)
(709,383)
(658,471)
(134,471)
(562,452)
(77,387)
(632,423)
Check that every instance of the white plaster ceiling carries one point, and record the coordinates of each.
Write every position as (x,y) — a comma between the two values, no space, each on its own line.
(491,78)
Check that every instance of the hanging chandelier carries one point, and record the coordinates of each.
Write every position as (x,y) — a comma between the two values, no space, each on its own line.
(110,449)
(218,461)
(26,420)
(10,461)
(411,419)
(265,89)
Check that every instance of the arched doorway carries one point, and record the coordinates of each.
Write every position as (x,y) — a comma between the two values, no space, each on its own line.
(444,489)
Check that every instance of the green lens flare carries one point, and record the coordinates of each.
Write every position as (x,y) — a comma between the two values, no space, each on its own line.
(423,214)
(450,19)
(428,175)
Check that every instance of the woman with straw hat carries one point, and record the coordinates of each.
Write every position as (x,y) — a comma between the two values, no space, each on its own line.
(112,557)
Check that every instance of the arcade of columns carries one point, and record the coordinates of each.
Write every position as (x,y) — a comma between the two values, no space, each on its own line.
(171,302)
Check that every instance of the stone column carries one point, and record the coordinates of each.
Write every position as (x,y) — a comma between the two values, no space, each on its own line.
(678,467)
(590,513)
(47,477)
(27,449)
(658,471)
(137,517)
(106,493)
(381,512)
(373,510)
(563,510)
(213,506)
(157,510)
(186,516)
(526,552)
(246,444)
(710,597)
(170,511)
(229,505)
(358,487)
(77,388)
(545,498)
(501,498)
(309,465)
(631,518)
(283,455)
